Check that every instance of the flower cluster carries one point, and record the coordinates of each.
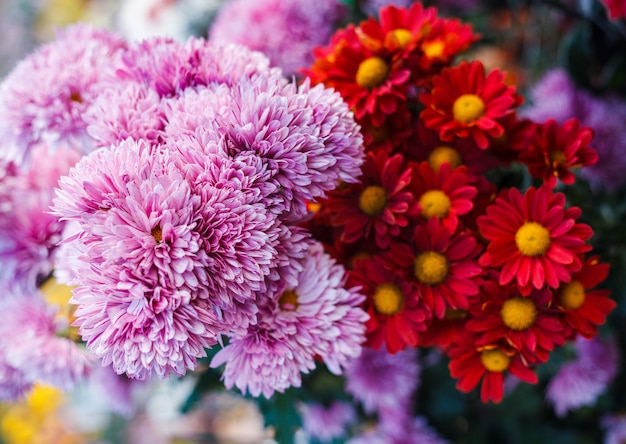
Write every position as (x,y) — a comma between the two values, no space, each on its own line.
(496,277)
(175,219)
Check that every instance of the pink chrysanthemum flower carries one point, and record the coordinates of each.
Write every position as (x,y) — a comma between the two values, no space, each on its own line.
(168,265)
(157,69)
(380,380)
(43,99)
(28,232)
(579,383)
(316,317)
(306,137)
(284,30)
(321,314)
(33,342)
(264,361)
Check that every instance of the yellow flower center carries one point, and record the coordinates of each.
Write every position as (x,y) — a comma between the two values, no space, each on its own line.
(157,234)
(288,300)
(434,49)
(444,154)
(435,203)
(378,133)
(372,200)
(556,158)
(372,72)
(518,313)
(495,360)
(468,108)
(532,239)
(402,36)
(388,299)
(356,257)
(431,268)
(572,295)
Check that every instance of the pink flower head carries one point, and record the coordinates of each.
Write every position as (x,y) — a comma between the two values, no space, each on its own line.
(32,342)
(284,30)
(168,265)
(28,232)
(579,383)
(316,317)
(43,99)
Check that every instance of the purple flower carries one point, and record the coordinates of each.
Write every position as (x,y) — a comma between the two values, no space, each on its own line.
(580,382)
(382,381)
(415,431)
(44,97)
(317,317)
(327,423)
(615,426)
(167,264)
(286,31)
(33,342)
(28,232)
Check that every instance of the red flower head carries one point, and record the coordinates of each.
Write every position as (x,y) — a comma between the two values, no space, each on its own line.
(397,313)
(444,194)
(583,310)
(442,265)
(526,323)
(534,239)
(443,332)
(616,8)
(366,78)
(555,150)
(471,364)
(429,147)
(377,207)
(465,103)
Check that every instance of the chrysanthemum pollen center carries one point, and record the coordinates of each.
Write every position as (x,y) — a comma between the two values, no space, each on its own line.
(431,268)
(157,234)
(388,299)
(495,360)
(435,203)
(467,108)
(572,295)
(402,36)
(444,154)
(288,300)
(372,200)
(532,239)
(434,49)
(372,72)
(518,313)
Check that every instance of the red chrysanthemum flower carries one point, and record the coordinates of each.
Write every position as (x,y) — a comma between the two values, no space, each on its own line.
(533,238)
(615,8)
(394,136)
(526,323)
(584,309)
(463,102)
(428,147)
(397,313)
(377,207)
(441,264)
(366,78)
(555,150)
(444,194)
(470,364)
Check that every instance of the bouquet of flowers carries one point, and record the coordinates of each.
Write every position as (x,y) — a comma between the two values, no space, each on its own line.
(184,209)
